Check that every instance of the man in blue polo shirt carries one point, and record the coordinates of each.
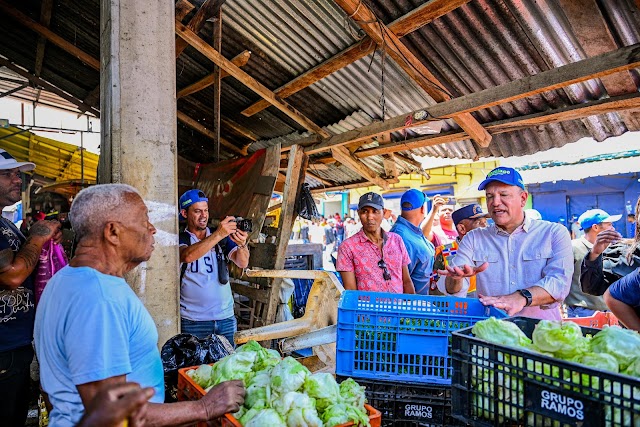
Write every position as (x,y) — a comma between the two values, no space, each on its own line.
(420,250)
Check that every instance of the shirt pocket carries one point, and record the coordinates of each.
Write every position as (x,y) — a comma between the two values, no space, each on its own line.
(480,257)
(534,260)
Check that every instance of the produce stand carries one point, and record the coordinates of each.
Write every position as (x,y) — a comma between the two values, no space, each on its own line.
(495,385)
(189,390)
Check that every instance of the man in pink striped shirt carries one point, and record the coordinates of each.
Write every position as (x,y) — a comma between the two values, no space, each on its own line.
(374,259)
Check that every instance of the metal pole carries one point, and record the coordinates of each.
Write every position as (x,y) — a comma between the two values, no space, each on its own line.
(82,158)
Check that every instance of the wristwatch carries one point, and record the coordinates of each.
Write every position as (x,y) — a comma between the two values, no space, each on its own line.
(525,293)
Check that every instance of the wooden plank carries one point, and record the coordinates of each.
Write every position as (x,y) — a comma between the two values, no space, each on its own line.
(208,9)
(258,205)
(411,65)
(261,295)
(217,79)
(402,26)
(207,132)
(246,79)
(49,35)
(240,60)
(343,155)
(183,8)
(45,18)
(274,207)
(295,177)
(48,86)
(573,112)
(622,59)
(390,168)
(341,187)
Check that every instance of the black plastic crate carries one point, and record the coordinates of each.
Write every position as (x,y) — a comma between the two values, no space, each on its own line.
(409,405)
(495,385)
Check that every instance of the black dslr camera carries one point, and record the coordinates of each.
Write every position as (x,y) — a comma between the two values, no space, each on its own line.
(244,224)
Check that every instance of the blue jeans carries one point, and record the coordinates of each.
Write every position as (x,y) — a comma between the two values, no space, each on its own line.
(574,311)
(202,329)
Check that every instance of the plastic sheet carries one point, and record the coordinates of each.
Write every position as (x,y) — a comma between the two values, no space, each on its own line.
(184,350)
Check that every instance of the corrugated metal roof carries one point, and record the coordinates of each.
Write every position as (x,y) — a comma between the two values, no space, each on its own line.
(480,45)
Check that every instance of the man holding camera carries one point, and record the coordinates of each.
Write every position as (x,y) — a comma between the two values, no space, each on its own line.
(206,300)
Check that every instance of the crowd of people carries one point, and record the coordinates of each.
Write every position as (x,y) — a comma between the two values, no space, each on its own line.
(519,263)
(97,343)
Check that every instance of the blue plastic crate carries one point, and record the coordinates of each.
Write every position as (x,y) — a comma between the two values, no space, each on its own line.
(398,337)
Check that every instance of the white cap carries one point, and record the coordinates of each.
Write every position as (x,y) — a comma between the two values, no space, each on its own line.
(8,162)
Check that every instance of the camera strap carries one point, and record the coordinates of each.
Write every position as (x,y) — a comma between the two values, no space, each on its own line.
(221,259)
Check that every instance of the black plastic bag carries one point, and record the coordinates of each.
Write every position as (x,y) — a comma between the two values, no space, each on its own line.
(185,350)
(305,206)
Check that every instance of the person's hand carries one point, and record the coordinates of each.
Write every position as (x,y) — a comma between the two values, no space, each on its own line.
(464,271)
(437,202)
(239,237)
(46,230)
(603,240)
(227,226)
(115,403)
(226,397)
(512,303)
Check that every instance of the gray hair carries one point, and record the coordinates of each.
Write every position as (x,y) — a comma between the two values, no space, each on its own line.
(93,207)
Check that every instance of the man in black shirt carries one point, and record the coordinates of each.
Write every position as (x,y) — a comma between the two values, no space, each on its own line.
(18,259)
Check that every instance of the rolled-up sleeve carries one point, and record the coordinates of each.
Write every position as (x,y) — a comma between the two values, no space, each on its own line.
(558,272)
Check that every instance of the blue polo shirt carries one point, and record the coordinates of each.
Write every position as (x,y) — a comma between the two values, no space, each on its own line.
(421,253)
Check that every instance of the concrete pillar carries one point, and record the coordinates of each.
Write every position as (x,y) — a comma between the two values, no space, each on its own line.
(138,111)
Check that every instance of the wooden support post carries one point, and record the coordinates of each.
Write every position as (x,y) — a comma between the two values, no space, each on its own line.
(295,177)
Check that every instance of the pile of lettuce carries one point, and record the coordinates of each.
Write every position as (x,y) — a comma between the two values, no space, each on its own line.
(612,349)
(282,392)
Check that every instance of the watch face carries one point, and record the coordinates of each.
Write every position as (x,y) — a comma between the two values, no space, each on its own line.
(525,293)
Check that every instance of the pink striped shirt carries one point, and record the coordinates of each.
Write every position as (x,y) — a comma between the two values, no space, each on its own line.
(361,255)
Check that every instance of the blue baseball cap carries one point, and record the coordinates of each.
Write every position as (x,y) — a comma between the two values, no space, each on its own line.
(503,174)
(472,211)
(596,216)
(412,199)
(371,199)
(190,197)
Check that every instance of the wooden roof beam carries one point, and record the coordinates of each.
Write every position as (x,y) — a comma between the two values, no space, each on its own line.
(48,86)
(343,155)
(340,187)
(235,71)
(49,35)
(208,10)
(622,59)
(411,65)
(402,26)
(45,18)
(239,60)
(573,112)
(183,8)
(207,132)
(318,178)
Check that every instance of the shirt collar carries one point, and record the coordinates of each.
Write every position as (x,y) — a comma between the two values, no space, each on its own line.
(587,243)
(525,226)
(363,237)
(410,226)
(207,231)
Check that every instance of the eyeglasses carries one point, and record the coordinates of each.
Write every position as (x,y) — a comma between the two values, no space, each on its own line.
(11,175)
(385,272)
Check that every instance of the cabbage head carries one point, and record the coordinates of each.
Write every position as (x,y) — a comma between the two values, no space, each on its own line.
(297,409)
(341,413)
(258,388)
(352,393)
(288,375)
(323,387)
(266,417)
(265,358)
(500,332)
(623,344)
(236,366)
(563,339)
(602,361)
(202,375)
(634,368)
